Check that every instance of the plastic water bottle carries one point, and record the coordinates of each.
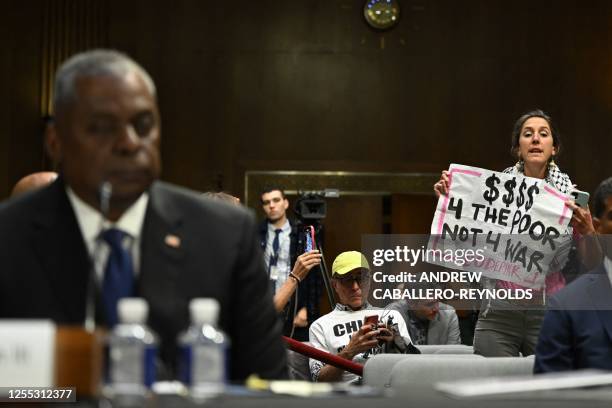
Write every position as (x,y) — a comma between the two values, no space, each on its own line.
(204,350)
(132,350)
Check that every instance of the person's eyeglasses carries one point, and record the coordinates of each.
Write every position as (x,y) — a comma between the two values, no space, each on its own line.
(360,279)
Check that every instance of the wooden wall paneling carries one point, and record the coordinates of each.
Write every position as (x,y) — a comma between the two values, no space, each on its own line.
(5,100)
(39,35)
(307,85)
(348,218)
(24,137)
(68,27)
(412,213)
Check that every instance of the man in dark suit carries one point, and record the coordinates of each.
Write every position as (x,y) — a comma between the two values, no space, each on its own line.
(577,329)
(178,246)
(296,301)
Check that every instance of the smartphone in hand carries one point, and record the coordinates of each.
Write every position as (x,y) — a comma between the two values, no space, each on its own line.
(372,320)
(581,198)
(310,239)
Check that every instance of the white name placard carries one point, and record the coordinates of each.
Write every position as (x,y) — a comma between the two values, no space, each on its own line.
(27,353)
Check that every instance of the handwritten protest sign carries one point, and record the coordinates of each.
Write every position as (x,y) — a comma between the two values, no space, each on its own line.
(518,222)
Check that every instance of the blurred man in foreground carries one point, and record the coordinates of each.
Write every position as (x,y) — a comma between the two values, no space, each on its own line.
(108,223)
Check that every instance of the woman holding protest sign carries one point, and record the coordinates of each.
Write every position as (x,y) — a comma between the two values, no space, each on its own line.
(505,328)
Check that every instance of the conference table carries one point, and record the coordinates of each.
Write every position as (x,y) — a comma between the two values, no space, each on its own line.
(592,397)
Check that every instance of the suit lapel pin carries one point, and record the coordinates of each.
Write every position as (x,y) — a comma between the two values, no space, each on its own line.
(172,241)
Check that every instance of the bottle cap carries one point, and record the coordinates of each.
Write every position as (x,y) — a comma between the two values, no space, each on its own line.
(204,310)
(133,310)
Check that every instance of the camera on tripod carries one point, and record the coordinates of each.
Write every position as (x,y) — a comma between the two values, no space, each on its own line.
(311,206)
(310,209)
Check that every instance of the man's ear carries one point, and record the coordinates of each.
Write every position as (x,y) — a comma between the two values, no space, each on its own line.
(53,144)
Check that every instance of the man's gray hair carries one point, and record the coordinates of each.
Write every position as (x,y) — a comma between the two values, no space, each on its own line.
(98,62)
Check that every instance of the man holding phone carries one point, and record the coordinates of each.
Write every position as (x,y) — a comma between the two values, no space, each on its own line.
(297,300)
(355,330)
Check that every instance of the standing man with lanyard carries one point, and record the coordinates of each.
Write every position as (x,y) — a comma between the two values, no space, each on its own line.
(279,238)
(286,270)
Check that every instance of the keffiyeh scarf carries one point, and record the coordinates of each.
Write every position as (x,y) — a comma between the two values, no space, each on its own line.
(554,176)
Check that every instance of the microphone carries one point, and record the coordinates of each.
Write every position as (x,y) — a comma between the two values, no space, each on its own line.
(105,192)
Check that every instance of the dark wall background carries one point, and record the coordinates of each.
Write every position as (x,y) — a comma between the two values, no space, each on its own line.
(306,85)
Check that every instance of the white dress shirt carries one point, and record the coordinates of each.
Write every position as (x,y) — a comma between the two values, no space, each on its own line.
(283,263)
(91,224)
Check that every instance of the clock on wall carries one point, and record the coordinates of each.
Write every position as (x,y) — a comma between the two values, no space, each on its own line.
(381,14)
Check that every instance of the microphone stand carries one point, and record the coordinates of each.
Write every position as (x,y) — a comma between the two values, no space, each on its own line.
(105,193)
(79,350)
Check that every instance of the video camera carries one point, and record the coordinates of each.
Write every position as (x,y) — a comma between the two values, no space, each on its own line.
(310,209)
(311,205)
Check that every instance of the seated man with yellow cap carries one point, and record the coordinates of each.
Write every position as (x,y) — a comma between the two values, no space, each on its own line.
(345,332)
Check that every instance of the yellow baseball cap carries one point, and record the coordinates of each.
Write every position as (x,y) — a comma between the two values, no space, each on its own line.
(348,261)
